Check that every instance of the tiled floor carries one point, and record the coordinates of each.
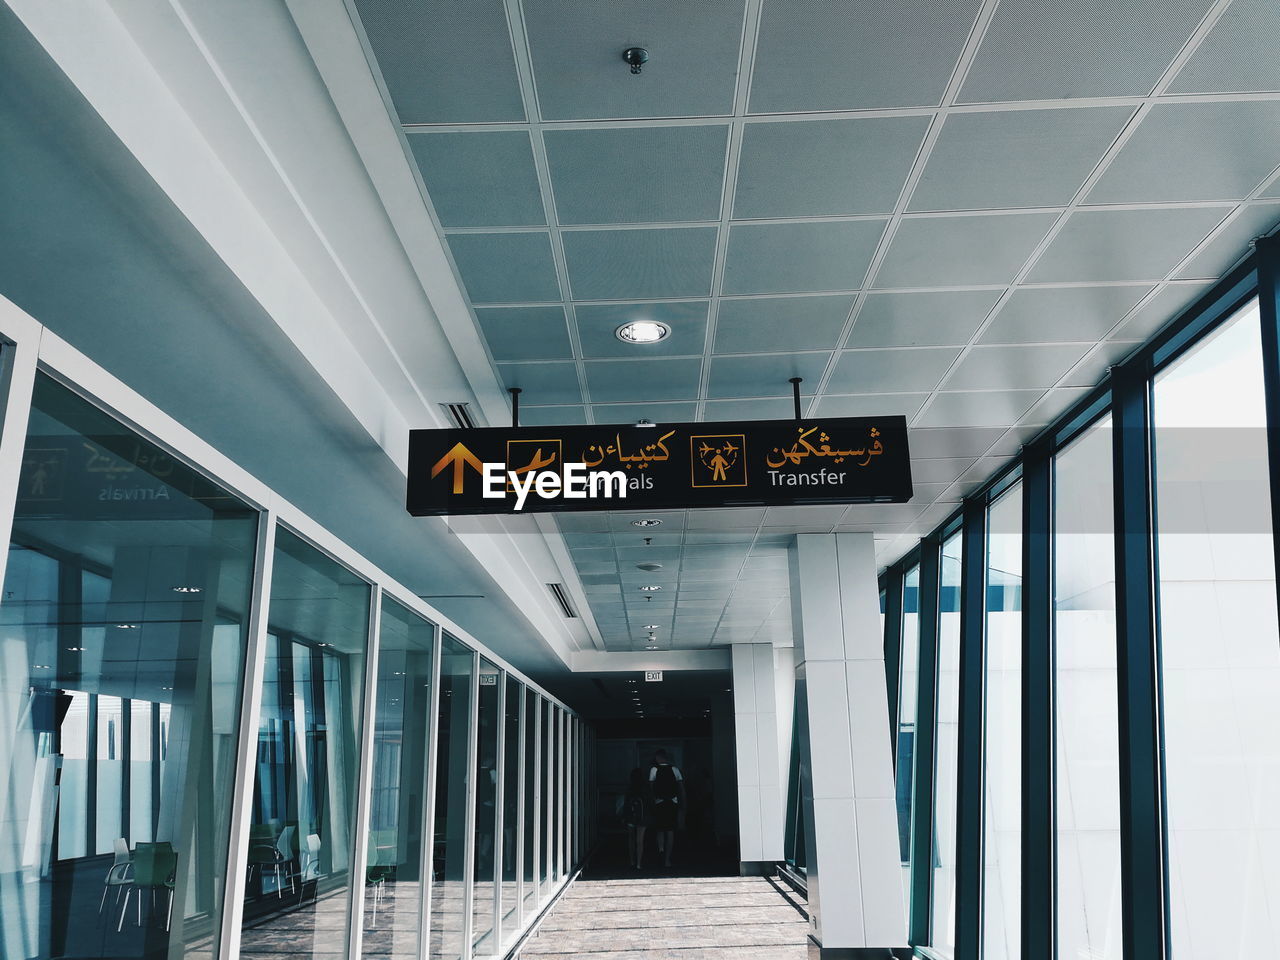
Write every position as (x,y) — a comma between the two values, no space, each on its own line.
(665,918)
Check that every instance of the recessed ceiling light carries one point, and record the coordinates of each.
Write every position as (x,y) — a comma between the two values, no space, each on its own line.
(126,626)
(187,589)
(651,588)
(652,626)
(651,648)
(646,522)
(649,566)
(642,331)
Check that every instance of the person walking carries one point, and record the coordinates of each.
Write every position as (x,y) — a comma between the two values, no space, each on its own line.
(666,789)
(635,814)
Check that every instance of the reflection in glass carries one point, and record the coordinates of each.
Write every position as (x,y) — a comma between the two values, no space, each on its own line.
(449,871)
(942,918)
(393,875)
(511,771)
(484,895)
(909,673)
(532,782)
(121,667)
(1002,784)
(303,816)
(1220,658)
(1087,727)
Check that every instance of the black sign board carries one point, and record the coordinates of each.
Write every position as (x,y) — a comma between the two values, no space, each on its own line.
(664,466)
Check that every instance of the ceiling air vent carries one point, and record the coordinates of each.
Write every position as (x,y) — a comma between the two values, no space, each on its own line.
(562,598)
(459,414)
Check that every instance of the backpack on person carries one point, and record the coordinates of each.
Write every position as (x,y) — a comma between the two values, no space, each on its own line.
(665,782)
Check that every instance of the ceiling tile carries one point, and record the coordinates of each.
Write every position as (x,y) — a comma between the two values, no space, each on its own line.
(1053,405)
(1090,371)
(1159,310)
(1055,49)
(890,371)
(1014,367)
(812,168)
(506,267)
(777,408)
(764,324)
(443,68)
(656,412)
(1015,158)
(552,416)
(542,383)
(808,515)
(799,257)
(904,54)
(945,318)
(943,444)
(732,518)
(577,49)
(765,375)
(939,471)
(480,179)
(1238,55)
(637,175)
(626,380)
(871,405)
(1223,150)
(525,333)
(1124,244)
(1232,243)
(640,264)
(1064,314)
(598,323)
(959,251)
(985,409)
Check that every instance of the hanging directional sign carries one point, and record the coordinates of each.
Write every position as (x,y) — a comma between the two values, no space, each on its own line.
(663,466)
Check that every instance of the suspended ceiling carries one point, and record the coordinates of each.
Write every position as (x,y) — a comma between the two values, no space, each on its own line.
(960,212)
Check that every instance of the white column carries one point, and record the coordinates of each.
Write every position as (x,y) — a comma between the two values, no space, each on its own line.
(762,800)
(847,788)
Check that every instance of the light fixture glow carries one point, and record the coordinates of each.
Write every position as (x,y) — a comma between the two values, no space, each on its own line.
(642,331)
(646,522)
(188,589)
(126,626)
(651,588)
(651,626)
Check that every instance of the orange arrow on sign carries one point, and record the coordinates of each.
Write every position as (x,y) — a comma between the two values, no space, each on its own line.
(459,457)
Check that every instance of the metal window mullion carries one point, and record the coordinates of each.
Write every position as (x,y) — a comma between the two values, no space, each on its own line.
(247,744)
(520,808)
(1039,831)
(923,749)
(1141,804)
(469,829)
(893,653)
(1268,254)
(426,866)
(17,380)
(499,808)
(536,816)
(360,855)
(970,755)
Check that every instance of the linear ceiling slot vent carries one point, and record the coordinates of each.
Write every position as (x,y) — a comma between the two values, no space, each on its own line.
(562,598)
(459,414)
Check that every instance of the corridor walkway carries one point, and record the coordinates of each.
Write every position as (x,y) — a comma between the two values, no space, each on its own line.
(674,918)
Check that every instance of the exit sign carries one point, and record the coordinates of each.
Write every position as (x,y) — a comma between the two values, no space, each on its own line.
(653,676)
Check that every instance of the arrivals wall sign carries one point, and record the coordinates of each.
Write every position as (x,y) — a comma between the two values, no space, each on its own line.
(663,466)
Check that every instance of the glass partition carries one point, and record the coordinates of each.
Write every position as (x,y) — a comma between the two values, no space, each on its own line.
(121,671)
(1085,694)
(397,802)
(1002,783)
(489,732)
(532,801)
(909,673)
(1220,659)
(545,798)
(512,770)
(942,922)
(449,871)
(299,857)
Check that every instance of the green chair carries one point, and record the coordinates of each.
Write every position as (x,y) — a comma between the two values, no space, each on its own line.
(155,867)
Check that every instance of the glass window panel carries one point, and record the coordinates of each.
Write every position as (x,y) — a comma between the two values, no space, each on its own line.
(909,672)
(1220,659)
(452,758)
(393,876)
(532,835)
(490,730)
(511,856)
(1002,784)
(303,816)
(545,798)
(1087,787)
(942,919)
(126,589)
